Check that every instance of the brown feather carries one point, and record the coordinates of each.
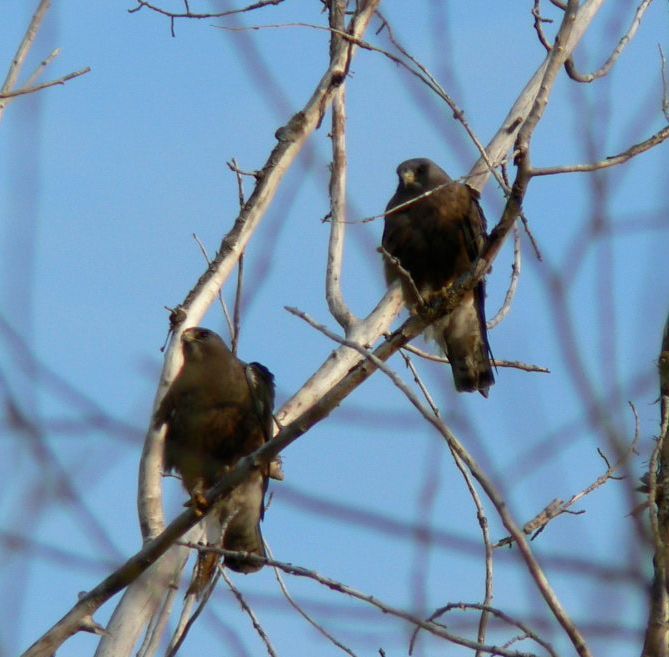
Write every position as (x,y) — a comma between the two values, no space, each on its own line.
(215,416)
(437,239)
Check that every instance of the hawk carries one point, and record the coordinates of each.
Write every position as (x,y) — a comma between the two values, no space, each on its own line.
(218,410)
(435,240)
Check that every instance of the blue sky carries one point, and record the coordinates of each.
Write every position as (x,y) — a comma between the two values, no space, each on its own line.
(105,180)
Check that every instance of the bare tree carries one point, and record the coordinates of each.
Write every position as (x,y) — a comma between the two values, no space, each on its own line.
(150,578)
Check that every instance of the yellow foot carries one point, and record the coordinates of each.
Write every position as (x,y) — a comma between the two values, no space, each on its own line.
(199,503)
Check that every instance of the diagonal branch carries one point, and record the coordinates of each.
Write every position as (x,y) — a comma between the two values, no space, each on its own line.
(376,362)
(290,140)
(38,87)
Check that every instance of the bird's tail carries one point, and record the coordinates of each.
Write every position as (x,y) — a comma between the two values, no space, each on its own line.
(207,561)
(204,572)
(245,508)
(233,524)
(462,336)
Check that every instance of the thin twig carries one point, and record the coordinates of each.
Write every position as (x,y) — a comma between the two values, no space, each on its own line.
(665,86)
(513,284)
(395,208)
(236,324)
(249,612)
(182,630)
(423,74)
(558,507)
(37,73)
(239,174)
(418,70)
(538,28)
(404,274)
(528,633)
(23,50)
(500,505)
(334,585)
(238,304)
(221,300)
(291,601)
(31,90)
(514,364)
(523,218)
(188,14)
(480,515)
(611,161)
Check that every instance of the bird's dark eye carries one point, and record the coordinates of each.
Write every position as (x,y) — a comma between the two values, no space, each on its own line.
(203,334)
(421,169)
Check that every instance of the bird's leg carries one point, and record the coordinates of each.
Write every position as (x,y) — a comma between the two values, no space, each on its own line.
(198,501)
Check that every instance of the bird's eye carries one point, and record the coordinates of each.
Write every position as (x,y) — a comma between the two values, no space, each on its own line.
(203,334)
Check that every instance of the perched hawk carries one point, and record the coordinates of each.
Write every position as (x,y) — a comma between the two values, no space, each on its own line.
(218,410)
(436,239)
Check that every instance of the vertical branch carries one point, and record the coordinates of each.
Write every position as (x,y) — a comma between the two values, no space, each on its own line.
(333,292)
(237,316)
(656,641)
(236,322)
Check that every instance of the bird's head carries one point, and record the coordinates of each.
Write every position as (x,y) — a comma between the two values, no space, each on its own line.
(200,343)
(420,175)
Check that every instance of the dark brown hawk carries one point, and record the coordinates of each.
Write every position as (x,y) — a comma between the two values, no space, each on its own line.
(436,239)
(218,410)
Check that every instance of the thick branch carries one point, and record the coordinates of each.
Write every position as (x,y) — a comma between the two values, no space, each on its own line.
(291,139)
(656,642)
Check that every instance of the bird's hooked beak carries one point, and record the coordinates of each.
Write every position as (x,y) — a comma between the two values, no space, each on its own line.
(408,177)
(189,335)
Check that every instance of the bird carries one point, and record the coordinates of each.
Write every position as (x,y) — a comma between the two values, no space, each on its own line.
(218,410)
(433,241)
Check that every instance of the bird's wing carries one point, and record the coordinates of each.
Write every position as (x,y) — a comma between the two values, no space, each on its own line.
(474,226)
(261,385)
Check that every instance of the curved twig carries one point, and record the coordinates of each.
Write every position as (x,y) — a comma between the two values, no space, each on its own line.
(570,66)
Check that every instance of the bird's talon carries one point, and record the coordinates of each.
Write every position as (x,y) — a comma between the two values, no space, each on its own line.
(198,502)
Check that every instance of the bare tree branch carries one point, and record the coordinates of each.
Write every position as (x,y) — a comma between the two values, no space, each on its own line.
(31,90)
(570,67)
(513,284)
(249,612)
(333,293)
(189,14)
(319,628)
(495,497)
(610,161)
(23,50)
(334,585)
(656,640)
